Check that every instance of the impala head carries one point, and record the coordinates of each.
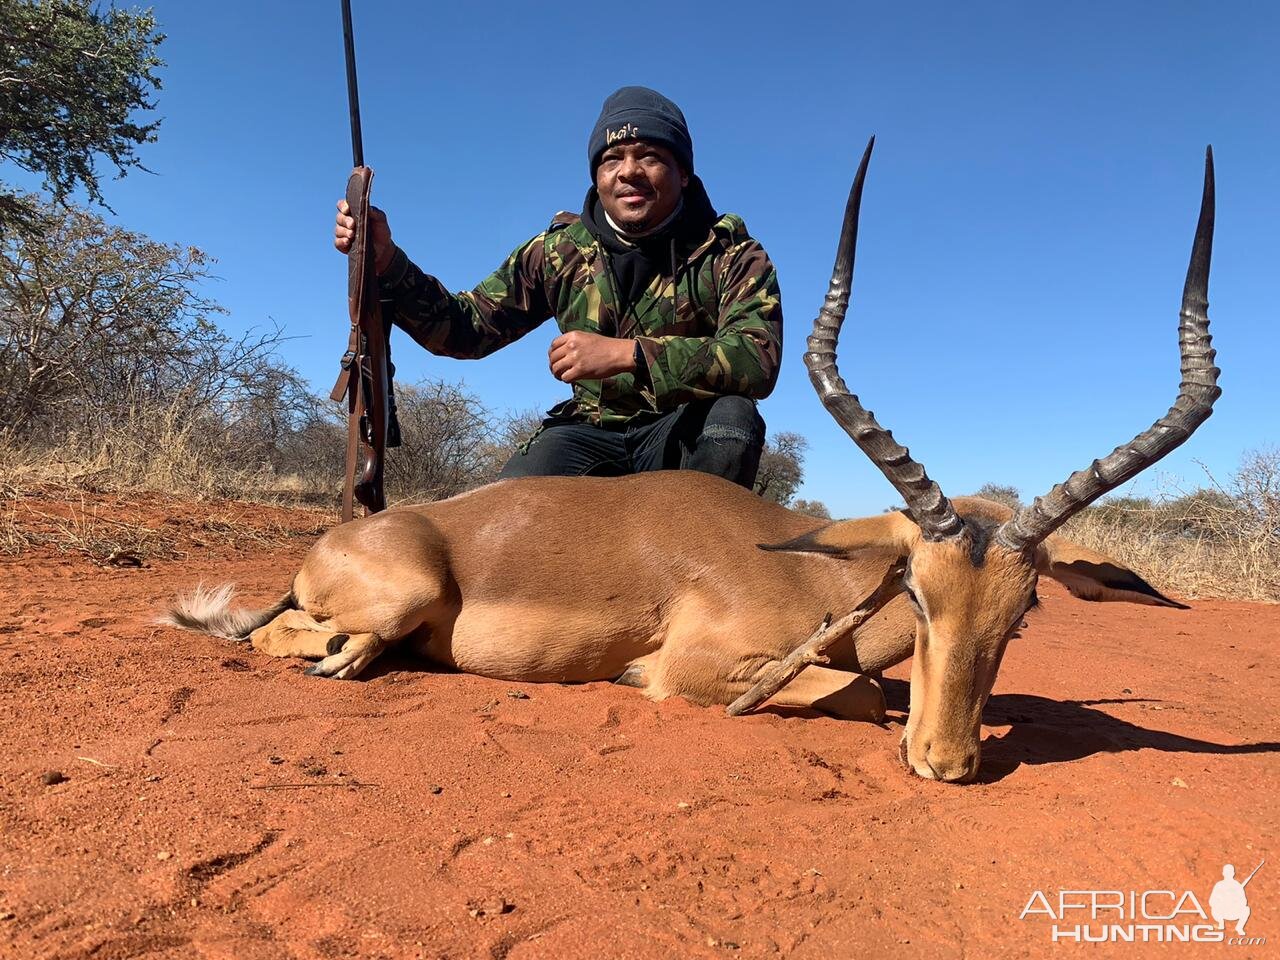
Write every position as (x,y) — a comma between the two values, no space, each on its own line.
(968,599)
(972,565)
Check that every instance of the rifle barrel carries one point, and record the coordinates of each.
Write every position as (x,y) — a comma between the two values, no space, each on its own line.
(1250,876)
(353,93)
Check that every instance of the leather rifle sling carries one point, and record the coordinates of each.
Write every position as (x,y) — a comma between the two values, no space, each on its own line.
(351,381)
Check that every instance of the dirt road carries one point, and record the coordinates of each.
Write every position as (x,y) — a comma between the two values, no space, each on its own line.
(218,803)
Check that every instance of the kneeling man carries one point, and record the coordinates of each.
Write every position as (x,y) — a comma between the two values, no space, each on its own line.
(670,315)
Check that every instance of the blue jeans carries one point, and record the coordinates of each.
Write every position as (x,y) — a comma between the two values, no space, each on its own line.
(722,435)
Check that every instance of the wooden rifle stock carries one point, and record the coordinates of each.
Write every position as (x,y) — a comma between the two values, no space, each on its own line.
(366,377)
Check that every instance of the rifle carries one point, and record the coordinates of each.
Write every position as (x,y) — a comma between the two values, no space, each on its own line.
(367,372)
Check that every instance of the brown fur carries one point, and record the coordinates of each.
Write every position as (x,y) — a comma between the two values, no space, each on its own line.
(559,579)
(661,577)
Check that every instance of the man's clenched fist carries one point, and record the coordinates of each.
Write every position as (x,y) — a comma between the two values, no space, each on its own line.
(578,356)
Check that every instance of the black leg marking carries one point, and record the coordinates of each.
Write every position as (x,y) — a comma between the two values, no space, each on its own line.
(336,643)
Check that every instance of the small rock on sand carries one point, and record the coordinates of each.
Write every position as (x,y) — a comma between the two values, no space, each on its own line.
(491,907)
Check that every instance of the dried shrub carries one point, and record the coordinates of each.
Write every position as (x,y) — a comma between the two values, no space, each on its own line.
(811,508)
(1215,541)
(1001,493)
(446,438)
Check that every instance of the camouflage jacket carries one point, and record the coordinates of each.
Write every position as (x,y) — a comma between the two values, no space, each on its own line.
(714,328)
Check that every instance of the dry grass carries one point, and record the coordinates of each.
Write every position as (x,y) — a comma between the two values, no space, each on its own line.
(235,528)
(82,508)
(13,538)
(181,462)
(79,527)
(1231,565)
(112,531)
(451,443)
(171,449)
(1217,541)
(104,540)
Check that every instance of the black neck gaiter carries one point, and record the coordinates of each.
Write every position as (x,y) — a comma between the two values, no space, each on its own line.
(634,263)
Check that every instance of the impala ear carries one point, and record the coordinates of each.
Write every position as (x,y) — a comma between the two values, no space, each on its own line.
(1095,576)
(846,537)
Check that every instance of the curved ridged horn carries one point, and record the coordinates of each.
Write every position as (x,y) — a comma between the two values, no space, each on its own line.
(1196,394)
(925,502)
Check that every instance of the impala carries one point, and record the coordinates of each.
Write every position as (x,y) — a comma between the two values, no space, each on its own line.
(686,585)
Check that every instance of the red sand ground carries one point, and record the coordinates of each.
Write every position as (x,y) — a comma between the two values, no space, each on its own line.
(219,803)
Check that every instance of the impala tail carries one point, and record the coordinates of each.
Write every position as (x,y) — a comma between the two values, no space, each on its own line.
(209,610)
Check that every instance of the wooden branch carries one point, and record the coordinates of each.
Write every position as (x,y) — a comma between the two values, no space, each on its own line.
(781,672)
(314,783)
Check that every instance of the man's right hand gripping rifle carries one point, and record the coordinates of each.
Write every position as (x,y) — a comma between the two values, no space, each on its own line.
(379,232)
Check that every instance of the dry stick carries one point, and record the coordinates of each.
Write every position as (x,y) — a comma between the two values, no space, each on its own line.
(300,786)
(782,672)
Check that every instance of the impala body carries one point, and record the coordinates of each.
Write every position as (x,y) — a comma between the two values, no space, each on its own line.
(687,585)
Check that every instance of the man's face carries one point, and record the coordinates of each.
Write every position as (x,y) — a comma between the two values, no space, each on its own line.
(639,184)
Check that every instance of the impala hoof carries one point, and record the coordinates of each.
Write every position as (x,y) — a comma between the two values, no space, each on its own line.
(633,676)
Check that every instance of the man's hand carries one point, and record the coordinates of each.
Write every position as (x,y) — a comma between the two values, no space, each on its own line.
(578,356)
(379,232)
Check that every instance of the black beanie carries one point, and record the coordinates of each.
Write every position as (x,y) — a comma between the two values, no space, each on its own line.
(638,113)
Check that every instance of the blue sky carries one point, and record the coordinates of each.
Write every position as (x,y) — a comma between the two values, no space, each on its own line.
(1025,231)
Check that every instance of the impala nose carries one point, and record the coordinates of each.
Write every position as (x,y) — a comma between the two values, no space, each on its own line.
(941,763)
(952,766)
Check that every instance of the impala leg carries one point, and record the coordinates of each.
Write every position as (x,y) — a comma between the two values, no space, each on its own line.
(357,653)
(295,634)
(850,696)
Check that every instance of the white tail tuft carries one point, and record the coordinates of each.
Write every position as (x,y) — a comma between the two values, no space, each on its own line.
(209,610)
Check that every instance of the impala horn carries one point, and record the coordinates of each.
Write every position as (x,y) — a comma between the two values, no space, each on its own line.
(1196,394)
(925,501)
